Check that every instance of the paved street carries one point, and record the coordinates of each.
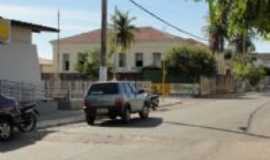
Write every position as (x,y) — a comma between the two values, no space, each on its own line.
(209,129)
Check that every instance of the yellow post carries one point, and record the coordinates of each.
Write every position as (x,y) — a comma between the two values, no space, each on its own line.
(5,30)
(163,77)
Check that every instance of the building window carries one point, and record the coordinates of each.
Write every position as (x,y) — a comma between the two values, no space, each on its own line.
(157,59)
(122,60)
(66,62)
(82,57)
(139,59)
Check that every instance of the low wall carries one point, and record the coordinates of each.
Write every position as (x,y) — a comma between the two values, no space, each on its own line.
(77,89)
(22,91)
(217,85)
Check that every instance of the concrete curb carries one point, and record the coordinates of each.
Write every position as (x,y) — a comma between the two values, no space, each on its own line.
(171,104)
(63,122)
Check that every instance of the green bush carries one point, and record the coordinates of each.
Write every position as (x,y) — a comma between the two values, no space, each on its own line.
(193,61)
(88,64)
(245,69)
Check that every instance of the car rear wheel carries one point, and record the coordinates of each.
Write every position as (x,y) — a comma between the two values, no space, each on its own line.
(126,115)
(90,120)
(144,114)
(6,130)
(113,116)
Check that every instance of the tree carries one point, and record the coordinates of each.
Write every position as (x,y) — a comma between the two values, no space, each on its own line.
(191,60)
(217,23)
(238,21)
(253,14)
(123,30)
(248,18)
(242,45)
(88,64)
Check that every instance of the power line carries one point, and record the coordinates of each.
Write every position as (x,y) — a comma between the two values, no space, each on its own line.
(166,22)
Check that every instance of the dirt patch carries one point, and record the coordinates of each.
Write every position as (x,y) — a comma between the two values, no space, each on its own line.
(120,139)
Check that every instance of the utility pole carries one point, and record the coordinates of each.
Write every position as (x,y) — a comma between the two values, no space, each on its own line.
(103,68)
(57,61)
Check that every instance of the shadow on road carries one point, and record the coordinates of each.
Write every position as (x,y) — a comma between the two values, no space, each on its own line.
(218,129)
(23,140)
(265,93)
(229,97)
(134,123)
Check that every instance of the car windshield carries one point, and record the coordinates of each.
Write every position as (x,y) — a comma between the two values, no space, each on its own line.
(103,89)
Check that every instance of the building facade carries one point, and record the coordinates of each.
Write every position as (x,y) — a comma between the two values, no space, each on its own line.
(148,50)
(263,59)
(19,58)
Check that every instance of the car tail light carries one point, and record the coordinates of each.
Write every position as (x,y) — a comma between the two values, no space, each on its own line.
(83,104)
(86,103)
(119,102)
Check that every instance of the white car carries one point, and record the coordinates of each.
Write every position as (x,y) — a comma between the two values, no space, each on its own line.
(115,99)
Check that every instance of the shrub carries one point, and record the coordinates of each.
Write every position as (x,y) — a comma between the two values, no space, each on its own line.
(245,69)
(88,64)
(191,60)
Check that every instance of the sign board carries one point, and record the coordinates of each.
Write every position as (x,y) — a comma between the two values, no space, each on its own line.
(5,30)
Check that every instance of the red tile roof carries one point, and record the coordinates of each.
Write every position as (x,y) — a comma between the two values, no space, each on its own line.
(142,34)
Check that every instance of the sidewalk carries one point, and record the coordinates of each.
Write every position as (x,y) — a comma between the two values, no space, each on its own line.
(169,101)
(54,117)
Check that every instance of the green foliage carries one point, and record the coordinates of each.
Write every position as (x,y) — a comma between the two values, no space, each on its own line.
(245,69)
(155,75)
(88,64)
(254,14)
(191,61)
(217,23)
(122,35)
(238,21)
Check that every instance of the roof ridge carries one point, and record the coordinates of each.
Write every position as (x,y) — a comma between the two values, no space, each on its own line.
(144,33)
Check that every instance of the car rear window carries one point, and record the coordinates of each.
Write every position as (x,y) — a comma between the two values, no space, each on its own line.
(104,89)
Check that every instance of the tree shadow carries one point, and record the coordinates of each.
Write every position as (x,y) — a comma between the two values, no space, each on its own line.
(23,140)
(134,123)
(219,129)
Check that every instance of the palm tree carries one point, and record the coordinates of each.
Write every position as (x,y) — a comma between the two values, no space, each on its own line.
(122,31)
(218,23)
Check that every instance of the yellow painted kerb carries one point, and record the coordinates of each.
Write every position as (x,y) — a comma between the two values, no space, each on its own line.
(4,30)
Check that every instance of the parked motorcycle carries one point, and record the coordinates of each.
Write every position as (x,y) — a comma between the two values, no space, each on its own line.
(14,115)
(153,99)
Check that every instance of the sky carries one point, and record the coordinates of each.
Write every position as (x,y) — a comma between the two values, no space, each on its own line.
(79,16)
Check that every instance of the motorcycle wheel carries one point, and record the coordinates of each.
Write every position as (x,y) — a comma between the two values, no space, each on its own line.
(29,124)
(6,130)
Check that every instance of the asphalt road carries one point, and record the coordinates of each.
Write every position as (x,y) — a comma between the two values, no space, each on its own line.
(208,129)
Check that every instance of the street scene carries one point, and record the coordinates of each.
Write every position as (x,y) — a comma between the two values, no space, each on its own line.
(133,79)
(223,128)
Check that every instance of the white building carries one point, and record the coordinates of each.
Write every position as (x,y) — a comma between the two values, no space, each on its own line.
(18,56)
(263,59)
(148,50)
